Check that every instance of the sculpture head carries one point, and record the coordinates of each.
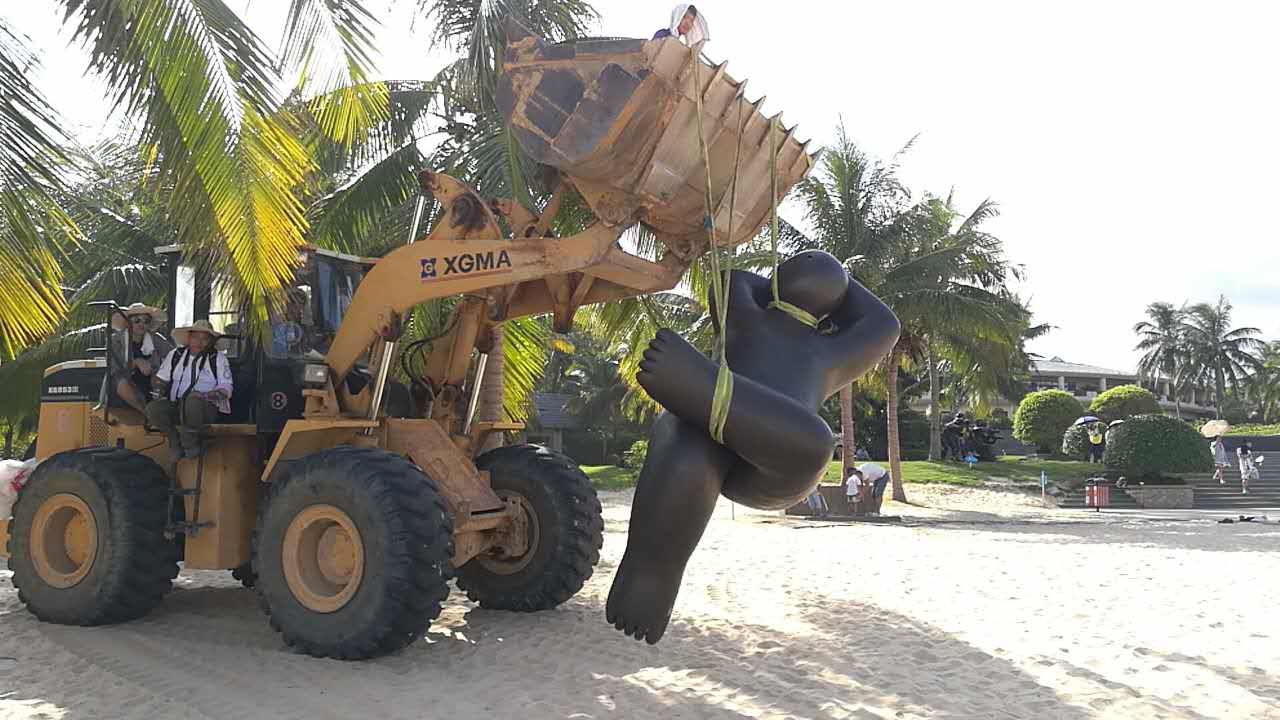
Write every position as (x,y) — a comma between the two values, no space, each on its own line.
(813,281)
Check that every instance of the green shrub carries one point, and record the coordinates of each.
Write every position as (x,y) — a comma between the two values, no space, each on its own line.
(1075,442)
(633,458)
(1042,418)
(1123,402)
(1150,446)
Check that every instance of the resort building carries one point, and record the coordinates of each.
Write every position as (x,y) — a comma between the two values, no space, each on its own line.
(1086,382)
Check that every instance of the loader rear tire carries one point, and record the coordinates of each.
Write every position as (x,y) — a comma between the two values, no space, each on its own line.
(351,552)
(87,543)
(566,532)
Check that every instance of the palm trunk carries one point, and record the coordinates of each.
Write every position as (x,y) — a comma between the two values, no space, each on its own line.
(847,438)
(935,408)
(895,456)
(1220,388)
(492,388)
(8,442)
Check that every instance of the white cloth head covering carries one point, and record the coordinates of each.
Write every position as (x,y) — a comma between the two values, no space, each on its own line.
(698,33)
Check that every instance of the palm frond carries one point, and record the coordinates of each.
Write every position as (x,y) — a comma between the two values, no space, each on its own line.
(332,41)
(33,227)
(524,352)
(204,84)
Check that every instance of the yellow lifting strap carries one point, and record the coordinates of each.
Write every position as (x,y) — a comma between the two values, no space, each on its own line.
(798,313)
(723,396)
(719,277)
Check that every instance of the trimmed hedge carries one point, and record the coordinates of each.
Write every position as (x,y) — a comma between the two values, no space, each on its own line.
(1075,442)
(633,458)
(1043,417)
(1150,446)
(1123,402)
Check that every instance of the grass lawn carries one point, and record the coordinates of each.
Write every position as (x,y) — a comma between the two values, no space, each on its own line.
(611,477)
(1006,468)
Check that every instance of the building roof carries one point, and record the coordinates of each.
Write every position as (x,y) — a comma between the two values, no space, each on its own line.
(1058,366)
(549,410)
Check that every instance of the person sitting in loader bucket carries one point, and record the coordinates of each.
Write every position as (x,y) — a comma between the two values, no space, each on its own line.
(194,385)
(687,24)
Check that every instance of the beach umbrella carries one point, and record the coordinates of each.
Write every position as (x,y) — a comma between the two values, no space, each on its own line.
(1086,420)
(1214,428)
(1115,423)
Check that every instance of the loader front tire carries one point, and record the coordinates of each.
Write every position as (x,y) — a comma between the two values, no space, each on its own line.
(351,553)
(86,544)
(565,532)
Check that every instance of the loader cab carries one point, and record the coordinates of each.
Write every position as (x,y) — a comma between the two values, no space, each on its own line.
(267,371)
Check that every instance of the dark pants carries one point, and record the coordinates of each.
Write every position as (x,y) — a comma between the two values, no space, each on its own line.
(1095,452)
(196,411)
(950,445)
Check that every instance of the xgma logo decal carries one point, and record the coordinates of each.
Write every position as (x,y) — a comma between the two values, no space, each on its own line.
(466,264)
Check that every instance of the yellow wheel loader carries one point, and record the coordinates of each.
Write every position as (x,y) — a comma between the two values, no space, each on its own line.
(347,499)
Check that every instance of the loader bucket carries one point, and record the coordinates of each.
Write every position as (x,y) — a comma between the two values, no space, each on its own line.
(618,118)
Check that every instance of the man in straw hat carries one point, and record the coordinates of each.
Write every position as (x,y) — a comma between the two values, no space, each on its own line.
(194,386)
(136,351)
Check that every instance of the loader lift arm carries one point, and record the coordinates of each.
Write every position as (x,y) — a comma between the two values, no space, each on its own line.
(467,253)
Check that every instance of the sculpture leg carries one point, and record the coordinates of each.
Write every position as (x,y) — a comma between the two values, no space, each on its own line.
(675,496)
(787,444)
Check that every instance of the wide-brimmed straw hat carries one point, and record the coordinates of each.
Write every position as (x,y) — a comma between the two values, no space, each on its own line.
(180,334)
(157,315)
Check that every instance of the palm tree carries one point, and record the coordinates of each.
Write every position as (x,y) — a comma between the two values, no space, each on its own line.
(200,87)
(33,228)
(1266,385)
(1163,343)
(478,146)
(939,271)
(1218,353)
(855,206)
(985,323)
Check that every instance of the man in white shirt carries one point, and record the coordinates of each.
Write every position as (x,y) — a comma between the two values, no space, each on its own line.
(868,481)
(193,386)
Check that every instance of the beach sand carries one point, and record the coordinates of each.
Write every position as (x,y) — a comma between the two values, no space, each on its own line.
(982,605)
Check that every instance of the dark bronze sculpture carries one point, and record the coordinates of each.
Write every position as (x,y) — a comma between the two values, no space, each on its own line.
(775,446)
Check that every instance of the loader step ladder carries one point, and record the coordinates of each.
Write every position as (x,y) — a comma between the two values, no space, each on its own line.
(193,525)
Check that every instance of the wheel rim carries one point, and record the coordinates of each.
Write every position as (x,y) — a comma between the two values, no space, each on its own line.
(506,565)
(323,558)
(64,540)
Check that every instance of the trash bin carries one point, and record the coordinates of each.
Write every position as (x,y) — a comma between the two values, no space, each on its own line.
(1097,494)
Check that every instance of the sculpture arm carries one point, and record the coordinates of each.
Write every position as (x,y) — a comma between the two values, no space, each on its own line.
(747,293)
(866,331)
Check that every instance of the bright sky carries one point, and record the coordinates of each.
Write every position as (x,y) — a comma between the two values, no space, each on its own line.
(1132,146)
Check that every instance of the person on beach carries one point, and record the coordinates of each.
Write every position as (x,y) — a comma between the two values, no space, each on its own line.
(1220,462)
(853,485)
(1248,466)
(875,478)
(194,386)
(136,351)
(687,24)
(1097,442)
(952,437)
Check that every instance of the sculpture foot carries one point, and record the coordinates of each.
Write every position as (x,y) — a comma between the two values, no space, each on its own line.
(678,377)
(642,597)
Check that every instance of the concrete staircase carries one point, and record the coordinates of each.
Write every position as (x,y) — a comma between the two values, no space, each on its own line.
(1119,500)
(1263,493)
(1209,495)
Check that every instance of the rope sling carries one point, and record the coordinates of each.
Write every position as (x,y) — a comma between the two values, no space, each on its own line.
(723,396)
